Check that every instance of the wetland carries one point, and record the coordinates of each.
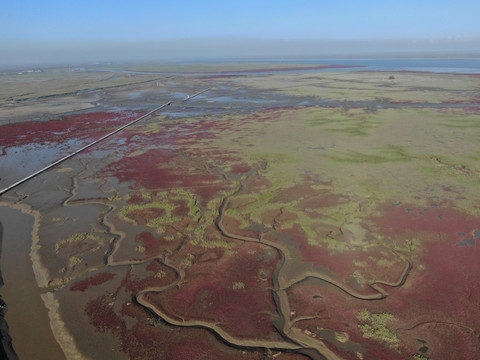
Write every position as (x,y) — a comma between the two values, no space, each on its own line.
(291,211)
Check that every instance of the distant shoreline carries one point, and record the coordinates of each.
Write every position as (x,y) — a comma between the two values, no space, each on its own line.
(261,70)
(421,72)
(465,66)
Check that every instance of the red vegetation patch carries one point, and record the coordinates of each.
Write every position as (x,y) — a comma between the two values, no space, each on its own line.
(155,266)
(206,347)
(102,316)
(340,264)
(446,341)
(447,294)
(85,126)
(93,280)
(133,283)
(438,304)
(460,102)
(232,225)
(181,209)
(141,168)
(319,201)
(308,197)
(436,220)
(276,217)
(305,300)
(143,216)
(337,311)
(472,109)
(140,341)
(155,246)
(295,192)
(144,342)
(210,255)
(133,326)
(162,169)
(241,168)
(258,184)
(232,293)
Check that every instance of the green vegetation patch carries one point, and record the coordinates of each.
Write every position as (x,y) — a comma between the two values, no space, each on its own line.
(384,154)
(409,245)
(374,326)
(420,357)
(76,238)
(127,212)
(349,122)
(206,217)
(164,201)
(154,127)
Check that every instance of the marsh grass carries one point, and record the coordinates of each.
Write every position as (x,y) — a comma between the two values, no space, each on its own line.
(374,326)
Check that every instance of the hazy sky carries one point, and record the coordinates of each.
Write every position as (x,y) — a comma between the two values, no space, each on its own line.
(86,29)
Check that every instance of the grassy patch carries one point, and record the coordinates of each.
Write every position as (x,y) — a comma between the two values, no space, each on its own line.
(163,201)
(75,238)
(374,326)
(384,154)
(349,122)
(420,357)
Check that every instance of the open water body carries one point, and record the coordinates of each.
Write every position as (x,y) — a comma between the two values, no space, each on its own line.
(428,65)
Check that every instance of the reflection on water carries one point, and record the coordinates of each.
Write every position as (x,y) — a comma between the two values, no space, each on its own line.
(134,95)
(20,161)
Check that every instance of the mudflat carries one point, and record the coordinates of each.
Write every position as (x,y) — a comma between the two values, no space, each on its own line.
(279,214)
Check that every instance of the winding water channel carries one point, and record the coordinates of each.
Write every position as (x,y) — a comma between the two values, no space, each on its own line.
(295,339)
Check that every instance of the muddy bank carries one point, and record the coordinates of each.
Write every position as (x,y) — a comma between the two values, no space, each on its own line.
(6,348)
(25,307)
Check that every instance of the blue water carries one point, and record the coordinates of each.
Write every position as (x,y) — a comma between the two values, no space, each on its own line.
(429,65)
(450,66)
